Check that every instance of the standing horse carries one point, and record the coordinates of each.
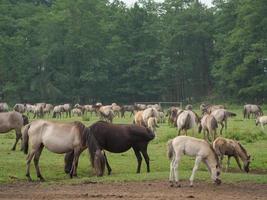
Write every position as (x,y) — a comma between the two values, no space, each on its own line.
(209,124)
(186,119)
(252,109)
(202,150)
(221,116)
(117,138)
(12,120)
(56,137)
(3,107)
(228,147)
(262,120)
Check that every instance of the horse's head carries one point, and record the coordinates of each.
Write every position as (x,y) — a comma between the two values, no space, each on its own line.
(247,163)
(214,167)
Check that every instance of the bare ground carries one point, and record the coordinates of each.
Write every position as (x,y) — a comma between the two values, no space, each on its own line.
(134,190)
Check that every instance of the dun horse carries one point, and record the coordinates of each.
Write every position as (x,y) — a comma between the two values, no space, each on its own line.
(202,150)
(186,119)
(58,138)
(232,148)
(209,124)
(12,120)
(221,116)
(117,138)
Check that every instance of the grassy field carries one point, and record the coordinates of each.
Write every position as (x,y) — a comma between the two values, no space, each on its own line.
(13,165)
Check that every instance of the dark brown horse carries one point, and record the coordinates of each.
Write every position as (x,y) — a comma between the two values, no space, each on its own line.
(117,138)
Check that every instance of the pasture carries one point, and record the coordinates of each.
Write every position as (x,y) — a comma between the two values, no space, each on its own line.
(13,164)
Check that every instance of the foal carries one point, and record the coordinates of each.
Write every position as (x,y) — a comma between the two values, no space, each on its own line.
(232,148)
(202,150)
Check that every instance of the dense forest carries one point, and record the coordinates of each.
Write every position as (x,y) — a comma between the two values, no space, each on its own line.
(98,50)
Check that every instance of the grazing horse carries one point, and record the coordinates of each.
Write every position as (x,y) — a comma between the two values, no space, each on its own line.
(221,116)
(67,109)
(56,137)
(118,138)
(262,120)
(12,120)
(3,107)
(138,118)
(186,119)
(202,150)
(252,109)
(209,124)
(228,147)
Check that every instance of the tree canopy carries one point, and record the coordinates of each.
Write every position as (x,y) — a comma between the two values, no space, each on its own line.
(99,50)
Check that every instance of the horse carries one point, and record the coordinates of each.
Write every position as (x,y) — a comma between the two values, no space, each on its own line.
(186,119)
(209,124)
(19,108)
(118,138)
(48,108)
(252,109)
(189,107)
(67,109)
(116,109)
(138,118)
(208,108)
(262,120)
(76,111)
(29,108)
(202,150)
(172,115)
(57,111)
(221,116)
(149,112)
(106,113)
(39,110)
(4,107)
(13,120)
(232,148)
(57,137)
(129,108)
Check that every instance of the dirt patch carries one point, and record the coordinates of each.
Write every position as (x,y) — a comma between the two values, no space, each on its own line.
(134,190)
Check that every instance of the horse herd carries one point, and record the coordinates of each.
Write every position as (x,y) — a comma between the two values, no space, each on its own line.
(73,138)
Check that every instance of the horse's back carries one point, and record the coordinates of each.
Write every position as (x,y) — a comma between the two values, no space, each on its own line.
(191,146)
(10,120)
(56,137)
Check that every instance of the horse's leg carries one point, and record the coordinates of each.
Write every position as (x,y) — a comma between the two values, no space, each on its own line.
(228,164)
(18,136)
(29,159)
(197,162)
(139,158)
(108,166)
(36,162)
(225,122)
(146,157)
(175,165)
(68,161)
(221,128)
(73,171)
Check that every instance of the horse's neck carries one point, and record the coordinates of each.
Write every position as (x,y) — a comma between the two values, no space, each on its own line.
(241,153)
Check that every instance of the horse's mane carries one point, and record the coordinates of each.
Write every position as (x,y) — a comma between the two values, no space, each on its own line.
(242,148)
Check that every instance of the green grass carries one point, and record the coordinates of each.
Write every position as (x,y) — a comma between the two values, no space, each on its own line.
(13,163)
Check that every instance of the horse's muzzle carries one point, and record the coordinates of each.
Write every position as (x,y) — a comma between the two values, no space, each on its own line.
(218,181)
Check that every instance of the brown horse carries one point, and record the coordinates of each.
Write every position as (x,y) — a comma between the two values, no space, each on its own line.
(231,148)
(12,120)
(58,138)
(117,138)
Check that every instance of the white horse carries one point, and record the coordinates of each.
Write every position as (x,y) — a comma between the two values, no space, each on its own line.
(152,124)
(221,116)
(186,119)
(209,124)
(202,150)
(262,121)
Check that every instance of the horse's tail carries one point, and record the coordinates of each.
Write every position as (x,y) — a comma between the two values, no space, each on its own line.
(170,149)
(96,156)
(25,139)
(25,120)
(230,114)
(187,124)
